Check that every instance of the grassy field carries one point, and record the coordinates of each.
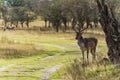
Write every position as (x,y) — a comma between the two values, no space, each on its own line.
(28,52)
(30,55)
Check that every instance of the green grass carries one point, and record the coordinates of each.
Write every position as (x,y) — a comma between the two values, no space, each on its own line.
(28,52)
(75,71)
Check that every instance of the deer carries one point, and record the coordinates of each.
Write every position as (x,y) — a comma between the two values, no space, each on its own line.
(8,28)
(86,44)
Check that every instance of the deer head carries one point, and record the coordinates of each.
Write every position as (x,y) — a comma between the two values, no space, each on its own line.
(79,33)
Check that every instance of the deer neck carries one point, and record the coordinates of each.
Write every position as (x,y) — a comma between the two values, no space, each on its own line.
(81,43)
(81,39)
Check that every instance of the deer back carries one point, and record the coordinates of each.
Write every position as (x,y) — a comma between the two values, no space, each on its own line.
(91,42)
(87,43)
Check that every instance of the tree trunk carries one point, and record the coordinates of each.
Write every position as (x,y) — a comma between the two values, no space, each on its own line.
(5,23)
(45,23)
(57,27)
(64,19)
(22,24)
(16,24)
(49,25)
(110,27)
(27,24)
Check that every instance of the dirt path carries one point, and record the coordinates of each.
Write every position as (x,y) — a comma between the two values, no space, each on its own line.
(49,57)
(50,71)
(5,67)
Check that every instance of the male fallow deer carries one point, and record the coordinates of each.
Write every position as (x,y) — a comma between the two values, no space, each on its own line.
(86,44)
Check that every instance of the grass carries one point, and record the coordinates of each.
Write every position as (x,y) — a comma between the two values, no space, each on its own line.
(75,71)
(28,52)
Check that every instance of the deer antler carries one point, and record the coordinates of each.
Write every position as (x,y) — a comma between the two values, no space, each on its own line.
(87,22)
(78,30)
(83,29)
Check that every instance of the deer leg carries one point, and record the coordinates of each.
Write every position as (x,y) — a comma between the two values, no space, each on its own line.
(94,52)
(93,55)
(88,56)
(83,56)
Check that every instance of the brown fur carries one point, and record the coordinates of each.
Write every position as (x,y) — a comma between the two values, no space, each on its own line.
(87,44)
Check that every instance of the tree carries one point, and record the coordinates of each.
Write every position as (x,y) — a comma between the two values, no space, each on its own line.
(4,12)
(51,11)
(18,11)
(111,28)
(55,14)
(80,11)
(43,10)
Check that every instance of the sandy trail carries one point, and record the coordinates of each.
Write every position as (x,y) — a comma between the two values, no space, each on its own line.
(5,67)
(53,69)
(50,71)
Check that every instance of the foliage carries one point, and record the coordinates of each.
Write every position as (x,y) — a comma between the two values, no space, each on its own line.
(17,11)
(16,3)
(55,11)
